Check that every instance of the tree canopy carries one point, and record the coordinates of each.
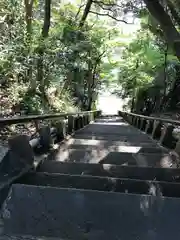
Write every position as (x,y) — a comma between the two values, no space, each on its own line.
(57,55)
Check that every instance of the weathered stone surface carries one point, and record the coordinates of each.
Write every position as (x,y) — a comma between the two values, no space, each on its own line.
(177,148)
(20,146)
(123,185)
(85,120)
(166,138)
(3,151)
(82,214)
(114,155)
(77,124)
(11,168)
(131,162)
(70,124)
(61,130)
(143,124)
(81,122)
(17,161)
(45,137)
(111,170)
(157,128)
(149,126)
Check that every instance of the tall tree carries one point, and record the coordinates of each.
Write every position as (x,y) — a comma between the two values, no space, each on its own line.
(170,32)
(44,35)
(85,13)
(28,18)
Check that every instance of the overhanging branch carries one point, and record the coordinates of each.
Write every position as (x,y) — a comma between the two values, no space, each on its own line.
(101,3)
(108,15)
(110,5)
(78,12)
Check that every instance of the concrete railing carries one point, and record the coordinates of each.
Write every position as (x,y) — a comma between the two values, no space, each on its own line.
(23,153)
(56,127)
(159,128)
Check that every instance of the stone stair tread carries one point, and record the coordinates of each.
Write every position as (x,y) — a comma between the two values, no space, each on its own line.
(133,140)
(117,133)
(123,185)
(114,155)
(141,160)
(121,141)
(111,170)
(157,149)
(86,214)
(92,142)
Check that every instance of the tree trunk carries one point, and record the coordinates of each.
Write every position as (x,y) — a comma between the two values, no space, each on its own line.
(28,19)
(81,24)
(173,11)
(170,32)
(67,82)
(44,35)
(90,81)
(86,12)
(47,18)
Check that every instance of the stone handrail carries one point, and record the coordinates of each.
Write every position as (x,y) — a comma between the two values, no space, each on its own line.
(23,119)
(63,124)
(159,128)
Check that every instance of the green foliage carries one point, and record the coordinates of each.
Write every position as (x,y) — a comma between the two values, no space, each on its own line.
(66,69)
(140,61)
(71,57)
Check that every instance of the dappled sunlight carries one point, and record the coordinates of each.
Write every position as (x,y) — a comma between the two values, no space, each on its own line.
(154,196)
(166,161)
(128,149)
(93,151)
(91,142)
(111,142)
(145,204)
(155,189)
(102,145)
(110,152)
(153,160)
(107,167)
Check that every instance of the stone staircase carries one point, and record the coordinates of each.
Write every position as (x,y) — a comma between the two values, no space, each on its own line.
(109,181)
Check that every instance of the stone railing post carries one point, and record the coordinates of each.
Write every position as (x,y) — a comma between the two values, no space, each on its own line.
(157,126)
(149,126)
(166,136)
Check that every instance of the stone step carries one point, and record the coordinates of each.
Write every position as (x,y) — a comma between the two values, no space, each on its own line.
(123,185)
(94,142)
(132,132)
(116,155)
(123,140)
(131,139)
(149,149)
(84,214)
(108,145)
(110,170)
(110,128)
